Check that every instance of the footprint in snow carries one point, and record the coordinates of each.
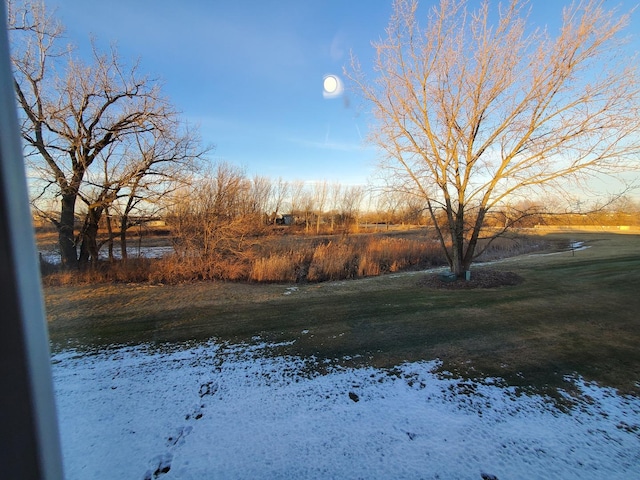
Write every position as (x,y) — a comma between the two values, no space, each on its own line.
(161,464)
(488,476)
(178,438)
(197,413)
(209,388)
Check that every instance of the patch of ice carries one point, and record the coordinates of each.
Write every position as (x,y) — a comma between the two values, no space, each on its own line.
(574,246)
(53,256)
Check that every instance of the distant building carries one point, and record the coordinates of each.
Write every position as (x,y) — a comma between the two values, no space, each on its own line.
(284,219)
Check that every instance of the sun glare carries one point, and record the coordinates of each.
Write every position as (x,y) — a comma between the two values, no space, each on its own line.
(331,86)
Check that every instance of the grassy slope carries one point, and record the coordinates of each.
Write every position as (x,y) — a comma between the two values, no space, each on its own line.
(574,313)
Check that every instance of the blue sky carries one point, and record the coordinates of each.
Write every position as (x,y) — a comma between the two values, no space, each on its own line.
(250,73)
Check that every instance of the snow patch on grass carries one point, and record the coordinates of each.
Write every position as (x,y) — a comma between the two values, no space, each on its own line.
(234,411)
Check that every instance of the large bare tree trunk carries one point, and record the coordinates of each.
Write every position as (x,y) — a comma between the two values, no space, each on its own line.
(66,240)
(110,235)
(89,251)
(124,224)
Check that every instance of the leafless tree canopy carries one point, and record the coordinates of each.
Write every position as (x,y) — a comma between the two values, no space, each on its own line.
(95,131)
(479,107)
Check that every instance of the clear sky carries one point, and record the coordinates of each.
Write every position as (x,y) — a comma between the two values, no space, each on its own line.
(250,72)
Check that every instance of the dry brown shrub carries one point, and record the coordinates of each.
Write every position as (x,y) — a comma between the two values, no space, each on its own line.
(233,269)
(384,255)
(169,269)
(132,271)
(179,269)
(55,279)
(333,261)
(368,266)
(274,268)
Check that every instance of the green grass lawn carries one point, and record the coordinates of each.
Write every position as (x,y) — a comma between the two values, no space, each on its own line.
(574,313)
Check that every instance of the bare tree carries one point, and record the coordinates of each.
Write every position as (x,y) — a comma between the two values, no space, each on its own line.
(134,177)
(389,203)
(320,193)
(73,114)
(209,221)
(162,161)
(478,107)
(351,199)
(335,194)
(259,195)
(307,206)
(279,192)
(297,195)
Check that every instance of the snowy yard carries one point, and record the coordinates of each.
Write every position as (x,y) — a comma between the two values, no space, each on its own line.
(219,411)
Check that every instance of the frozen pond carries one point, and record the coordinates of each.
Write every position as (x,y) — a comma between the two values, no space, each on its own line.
(53,256)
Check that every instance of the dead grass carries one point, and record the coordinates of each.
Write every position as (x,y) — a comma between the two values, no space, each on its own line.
(133,271)
(333,261)
(274,268)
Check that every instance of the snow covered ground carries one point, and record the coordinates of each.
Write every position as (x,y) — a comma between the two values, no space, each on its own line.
(237,412)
